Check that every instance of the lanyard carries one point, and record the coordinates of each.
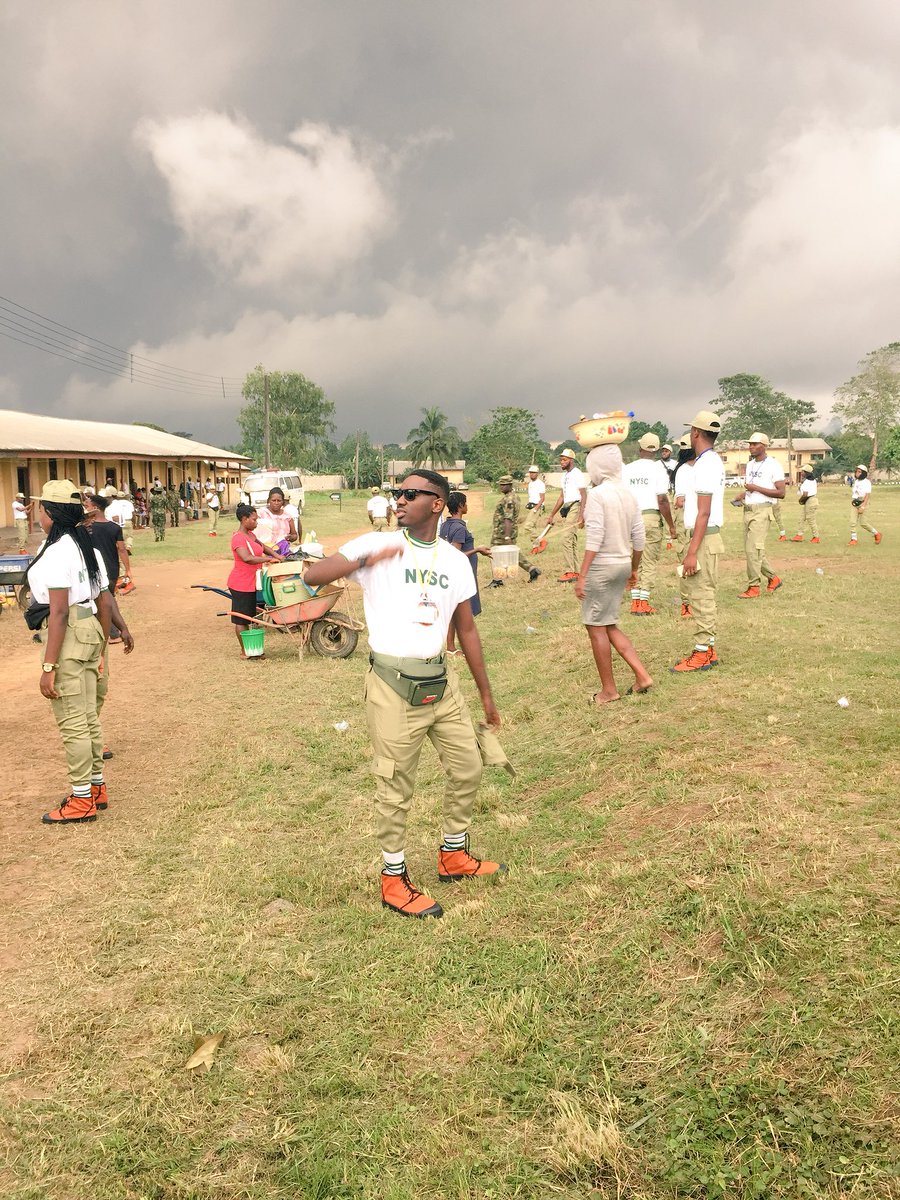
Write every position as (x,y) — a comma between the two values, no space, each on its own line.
(422,577)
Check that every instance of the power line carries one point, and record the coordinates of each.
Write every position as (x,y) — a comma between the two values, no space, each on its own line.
(23,325)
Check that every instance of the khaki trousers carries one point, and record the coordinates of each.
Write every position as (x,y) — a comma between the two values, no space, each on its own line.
(213,519)
(701,588)
(21,533)
(777,515)
(653,524)
(77,709)
(809,516)
(757,519)
(379,524)
(128,532)
(569,538)
(681,544)
(397,732)
(534,523)
(858,520)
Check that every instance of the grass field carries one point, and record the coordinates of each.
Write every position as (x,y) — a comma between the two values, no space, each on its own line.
(686,987)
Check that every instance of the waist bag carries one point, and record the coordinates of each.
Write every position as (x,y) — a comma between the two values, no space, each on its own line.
(566,508)
(36,614)
(418,682)
(857,503)
(803,499)
(529,505)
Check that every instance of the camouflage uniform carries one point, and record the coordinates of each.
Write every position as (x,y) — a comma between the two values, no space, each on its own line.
(508,510)
(158,507)
(173,507)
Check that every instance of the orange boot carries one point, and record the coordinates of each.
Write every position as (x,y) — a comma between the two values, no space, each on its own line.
(798,537)
(72,810)
(699,660)
(750,594)
(686,610)
(774,584)
(636,609)
(398,894)
(99,796)
(454,865)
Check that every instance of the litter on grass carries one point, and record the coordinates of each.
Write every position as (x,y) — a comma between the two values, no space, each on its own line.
(342,726)
(844,702)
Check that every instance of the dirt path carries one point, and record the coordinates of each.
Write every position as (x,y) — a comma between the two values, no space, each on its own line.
(159,723)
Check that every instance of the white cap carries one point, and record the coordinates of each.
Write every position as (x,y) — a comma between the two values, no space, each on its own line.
(567,453)
(534,468)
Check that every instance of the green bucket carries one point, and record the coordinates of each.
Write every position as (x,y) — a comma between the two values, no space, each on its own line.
(253,642)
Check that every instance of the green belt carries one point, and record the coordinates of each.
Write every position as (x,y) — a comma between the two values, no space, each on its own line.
(80,613)
(408,666)
(709,529)
(654,511)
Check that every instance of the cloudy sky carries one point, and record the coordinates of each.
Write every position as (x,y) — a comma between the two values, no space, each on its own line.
(575,207)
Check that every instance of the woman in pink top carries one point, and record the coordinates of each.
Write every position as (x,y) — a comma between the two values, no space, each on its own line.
(249,553)
(278,527)
(614,541)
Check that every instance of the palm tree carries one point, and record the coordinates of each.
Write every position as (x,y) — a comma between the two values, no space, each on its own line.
(433,442)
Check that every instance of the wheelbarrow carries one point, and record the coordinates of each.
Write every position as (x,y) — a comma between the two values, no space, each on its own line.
(307,615)
(13,568)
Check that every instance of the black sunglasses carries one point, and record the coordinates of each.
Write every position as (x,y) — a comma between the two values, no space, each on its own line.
(411,493)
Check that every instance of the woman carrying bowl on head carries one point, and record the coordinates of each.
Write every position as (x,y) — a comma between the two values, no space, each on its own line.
(249,554)
(614,540)
(71,608)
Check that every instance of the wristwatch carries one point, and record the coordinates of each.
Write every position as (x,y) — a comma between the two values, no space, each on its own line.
(361,561)
(48,667)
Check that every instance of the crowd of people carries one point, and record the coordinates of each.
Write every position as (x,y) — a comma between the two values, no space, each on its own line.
(417,569)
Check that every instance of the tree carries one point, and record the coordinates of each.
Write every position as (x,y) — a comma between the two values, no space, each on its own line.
(369,460)
(636,432)
(890,449)
(507,444)
(869,403)
(749,403)
(433,442)
(300,413)
(847,451)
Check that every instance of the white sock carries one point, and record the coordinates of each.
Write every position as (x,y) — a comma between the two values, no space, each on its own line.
(97,778)
(82,791)
(453,841)
(394,862)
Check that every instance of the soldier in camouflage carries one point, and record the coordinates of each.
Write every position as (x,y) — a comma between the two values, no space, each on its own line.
(158,508)
(505,530)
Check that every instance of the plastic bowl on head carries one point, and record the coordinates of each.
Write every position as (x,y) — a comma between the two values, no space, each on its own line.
(602,429)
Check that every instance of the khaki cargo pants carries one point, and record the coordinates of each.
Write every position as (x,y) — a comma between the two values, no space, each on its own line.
(535,520)
(757,519)
(809,516)
(858,520)
(701,588)
(682,539)
(379,524)
(21,533)
(128,535)
(397,732)
(777,515)
(569,539)
(653,524)
(76,710)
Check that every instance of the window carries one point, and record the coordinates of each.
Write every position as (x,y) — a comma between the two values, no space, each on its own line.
(52,468)
(82,471)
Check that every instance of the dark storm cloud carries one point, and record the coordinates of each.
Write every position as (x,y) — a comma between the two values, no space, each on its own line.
(567,207)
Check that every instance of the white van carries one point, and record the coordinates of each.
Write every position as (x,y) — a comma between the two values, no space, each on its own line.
(258,484)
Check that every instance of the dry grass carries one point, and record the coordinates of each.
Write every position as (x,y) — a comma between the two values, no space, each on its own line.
(687,986)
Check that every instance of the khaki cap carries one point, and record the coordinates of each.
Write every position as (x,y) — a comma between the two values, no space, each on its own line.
(762,438)
(684,442)
(811,469)
(121,495)
(860,467)
(60,491)
(707,421)
(505,479)
(567,453)
(109,492)
(375,491)
(666,446)
(649,442)
(20,495)
(534,468)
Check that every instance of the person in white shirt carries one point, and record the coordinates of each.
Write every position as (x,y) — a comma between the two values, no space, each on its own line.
(669,461)
(648,482)
(537,492)
(377,510)
(212,509)
(859,502)
(681,482)
(413,583)
(704,514)
(22,520)
(570,507)
(763,486)
(808,499)
(69,584)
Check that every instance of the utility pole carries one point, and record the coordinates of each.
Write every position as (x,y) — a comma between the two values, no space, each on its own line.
(268,423)
(356,465)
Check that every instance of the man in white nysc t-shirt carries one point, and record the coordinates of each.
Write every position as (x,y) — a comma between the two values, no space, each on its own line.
(763,488)
(413,583)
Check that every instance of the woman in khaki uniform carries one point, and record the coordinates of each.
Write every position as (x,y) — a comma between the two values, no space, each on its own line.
(68,582)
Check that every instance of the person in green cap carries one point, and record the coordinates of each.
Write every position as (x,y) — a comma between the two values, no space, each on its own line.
(505,529)
(158,509)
